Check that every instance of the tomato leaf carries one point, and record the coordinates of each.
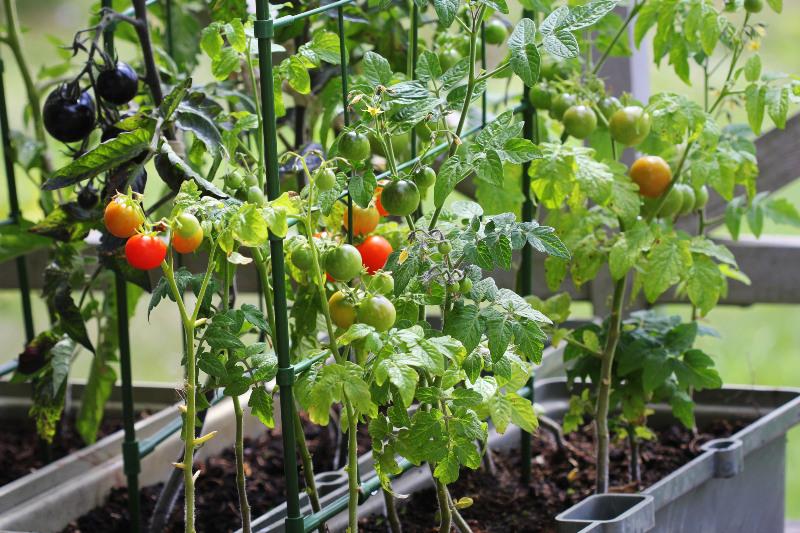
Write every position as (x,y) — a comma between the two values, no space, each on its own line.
(525,60)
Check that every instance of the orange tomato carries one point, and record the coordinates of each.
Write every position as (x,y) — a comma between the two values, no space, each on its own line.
(652,174)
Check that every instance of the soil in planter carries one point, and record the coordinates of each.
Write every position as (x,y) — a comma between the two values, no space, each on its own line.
(22,451)
(502,504)
(216,497)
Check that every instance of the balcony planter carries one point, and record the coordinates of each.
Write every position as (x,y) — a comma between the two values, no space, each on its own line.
(48,499)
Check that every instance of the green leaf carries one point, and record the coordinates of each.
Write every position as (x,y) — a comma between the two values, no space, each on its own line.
(586,15)
(562,44)
(297,74)
(446,10)
(169,165)
(545,240)
(261,407)
(173,99)
(752,69)
(500,411)
(463,324)
(400,375)
(225,63)
(110,154)
(428,67)
(450,174)
(705,283)
(190,119)
(377,69)
(70,317)
(16,240)
(777,99)
(362,188)
(776,5)
(525,60)
(93,399)
(60,360)
(626,251)
(668,258)
(234,31)
(755,101)
(709,36)
(522,412)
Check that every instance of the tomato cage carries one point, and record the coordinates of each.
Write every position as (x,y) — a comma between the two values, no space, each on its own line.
(135,450)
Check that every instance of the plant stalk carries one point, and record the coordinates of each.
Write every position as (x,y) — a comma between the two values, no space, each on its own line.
(241,486)
(151,78)
(352,467)
(446,517)
(308,467)
(390,502)
(604,387)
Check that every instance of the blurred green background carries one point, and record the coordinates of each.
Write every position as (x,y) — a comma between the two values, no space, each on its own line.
(757,345)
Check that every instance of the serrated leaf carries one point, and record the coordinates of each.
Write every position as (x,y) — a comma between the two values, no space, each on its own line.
(586,15)
(377,69)
(261,407)
(446,10)
(201,126)
(525,60)
(562,44)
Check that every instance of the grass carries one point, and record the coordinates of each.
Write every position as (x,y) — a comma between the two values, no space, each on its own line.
(758,345)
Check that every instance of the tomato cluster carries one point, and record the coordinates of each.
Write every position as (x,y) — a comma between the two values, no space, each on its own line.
(144,249)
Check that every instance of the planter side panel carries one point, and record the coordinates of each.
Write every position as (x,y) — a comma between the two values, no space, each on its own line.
(753,500)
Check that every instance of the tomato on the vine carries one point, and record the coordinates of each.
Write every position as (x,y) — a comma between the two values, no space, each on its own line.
(448,58)
(652,174)
(375,250)
(343,263)
(365,219)
(68,113)
(688,197)
(123,216)
(145,251)
(466,285)
(424,177)
(325,179)
(495,31)
(753,6)
(609,105)
(561,102)
(377,311)
(629,125)
(302,258)
(118,84)
(187,235)
(672,204)
(354,146)
(580,121)
(342,310)
(701,197)
(381,283)
(540,97)
(400,197)
(445,247)
(255,195)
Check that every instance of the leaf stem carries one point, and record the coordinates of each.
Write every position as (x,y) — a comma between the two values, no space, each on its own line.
(631,14)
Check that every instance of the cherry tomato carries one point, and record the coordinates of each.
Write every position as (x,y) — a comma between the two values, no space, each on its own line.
(652,174)
(255,195)
(672,204)
(325,179)
(68,113)
(117,85)
(381,283)
(629,125)
(301,257)
(753,6)
(609,105)
(187,235)
(465,285)
(343,312)
(445,247)
(400,197)
(701,197)
(378,205)
(145,251)
(540,97)
(378,312)
(424,177)
(448,58)
(122,216)
(233,181)
(580,121)
(495,31)
(343,263)
(375,250)
(561,102)
(688,196)
(365,220)
(354,146)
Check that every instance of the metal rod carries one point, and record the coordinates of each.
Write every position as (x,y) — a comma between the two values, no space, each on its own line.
(130,448)
(286,20)
(14,213)
(264,27)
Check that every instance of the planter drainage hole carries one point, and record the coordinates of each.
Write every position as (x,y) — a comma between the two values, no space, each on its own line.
(632,513)
(728,456)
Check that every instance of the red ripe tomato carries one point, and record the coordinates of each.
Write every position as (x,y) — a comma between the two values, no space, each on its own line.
(378,205)
(365,220)
(375,250)
(187,235)
(145,251)
(122,216)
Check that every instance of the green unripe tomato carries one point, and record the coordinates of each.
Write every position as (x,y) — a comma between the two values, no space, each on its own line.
(343,263)
(448,57)
(672,205)
(400,197)
(445,247)
(255,195)
(753,6)
(381,283)
(425,129)
(701,198)
(325,179)
(424,177)
(302,258)
(234,181)
(609,105)
(378,312)
(562,102)
(580,121)
(540,97)
(689,198)
(250,180)
(466,285)
(453,287)
(629,125)
(354,146)
(495,31)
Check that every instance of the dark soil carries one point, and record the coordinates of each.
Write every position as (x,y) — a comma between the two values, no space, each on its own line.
(22,451)
(502,504)
(216,498)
